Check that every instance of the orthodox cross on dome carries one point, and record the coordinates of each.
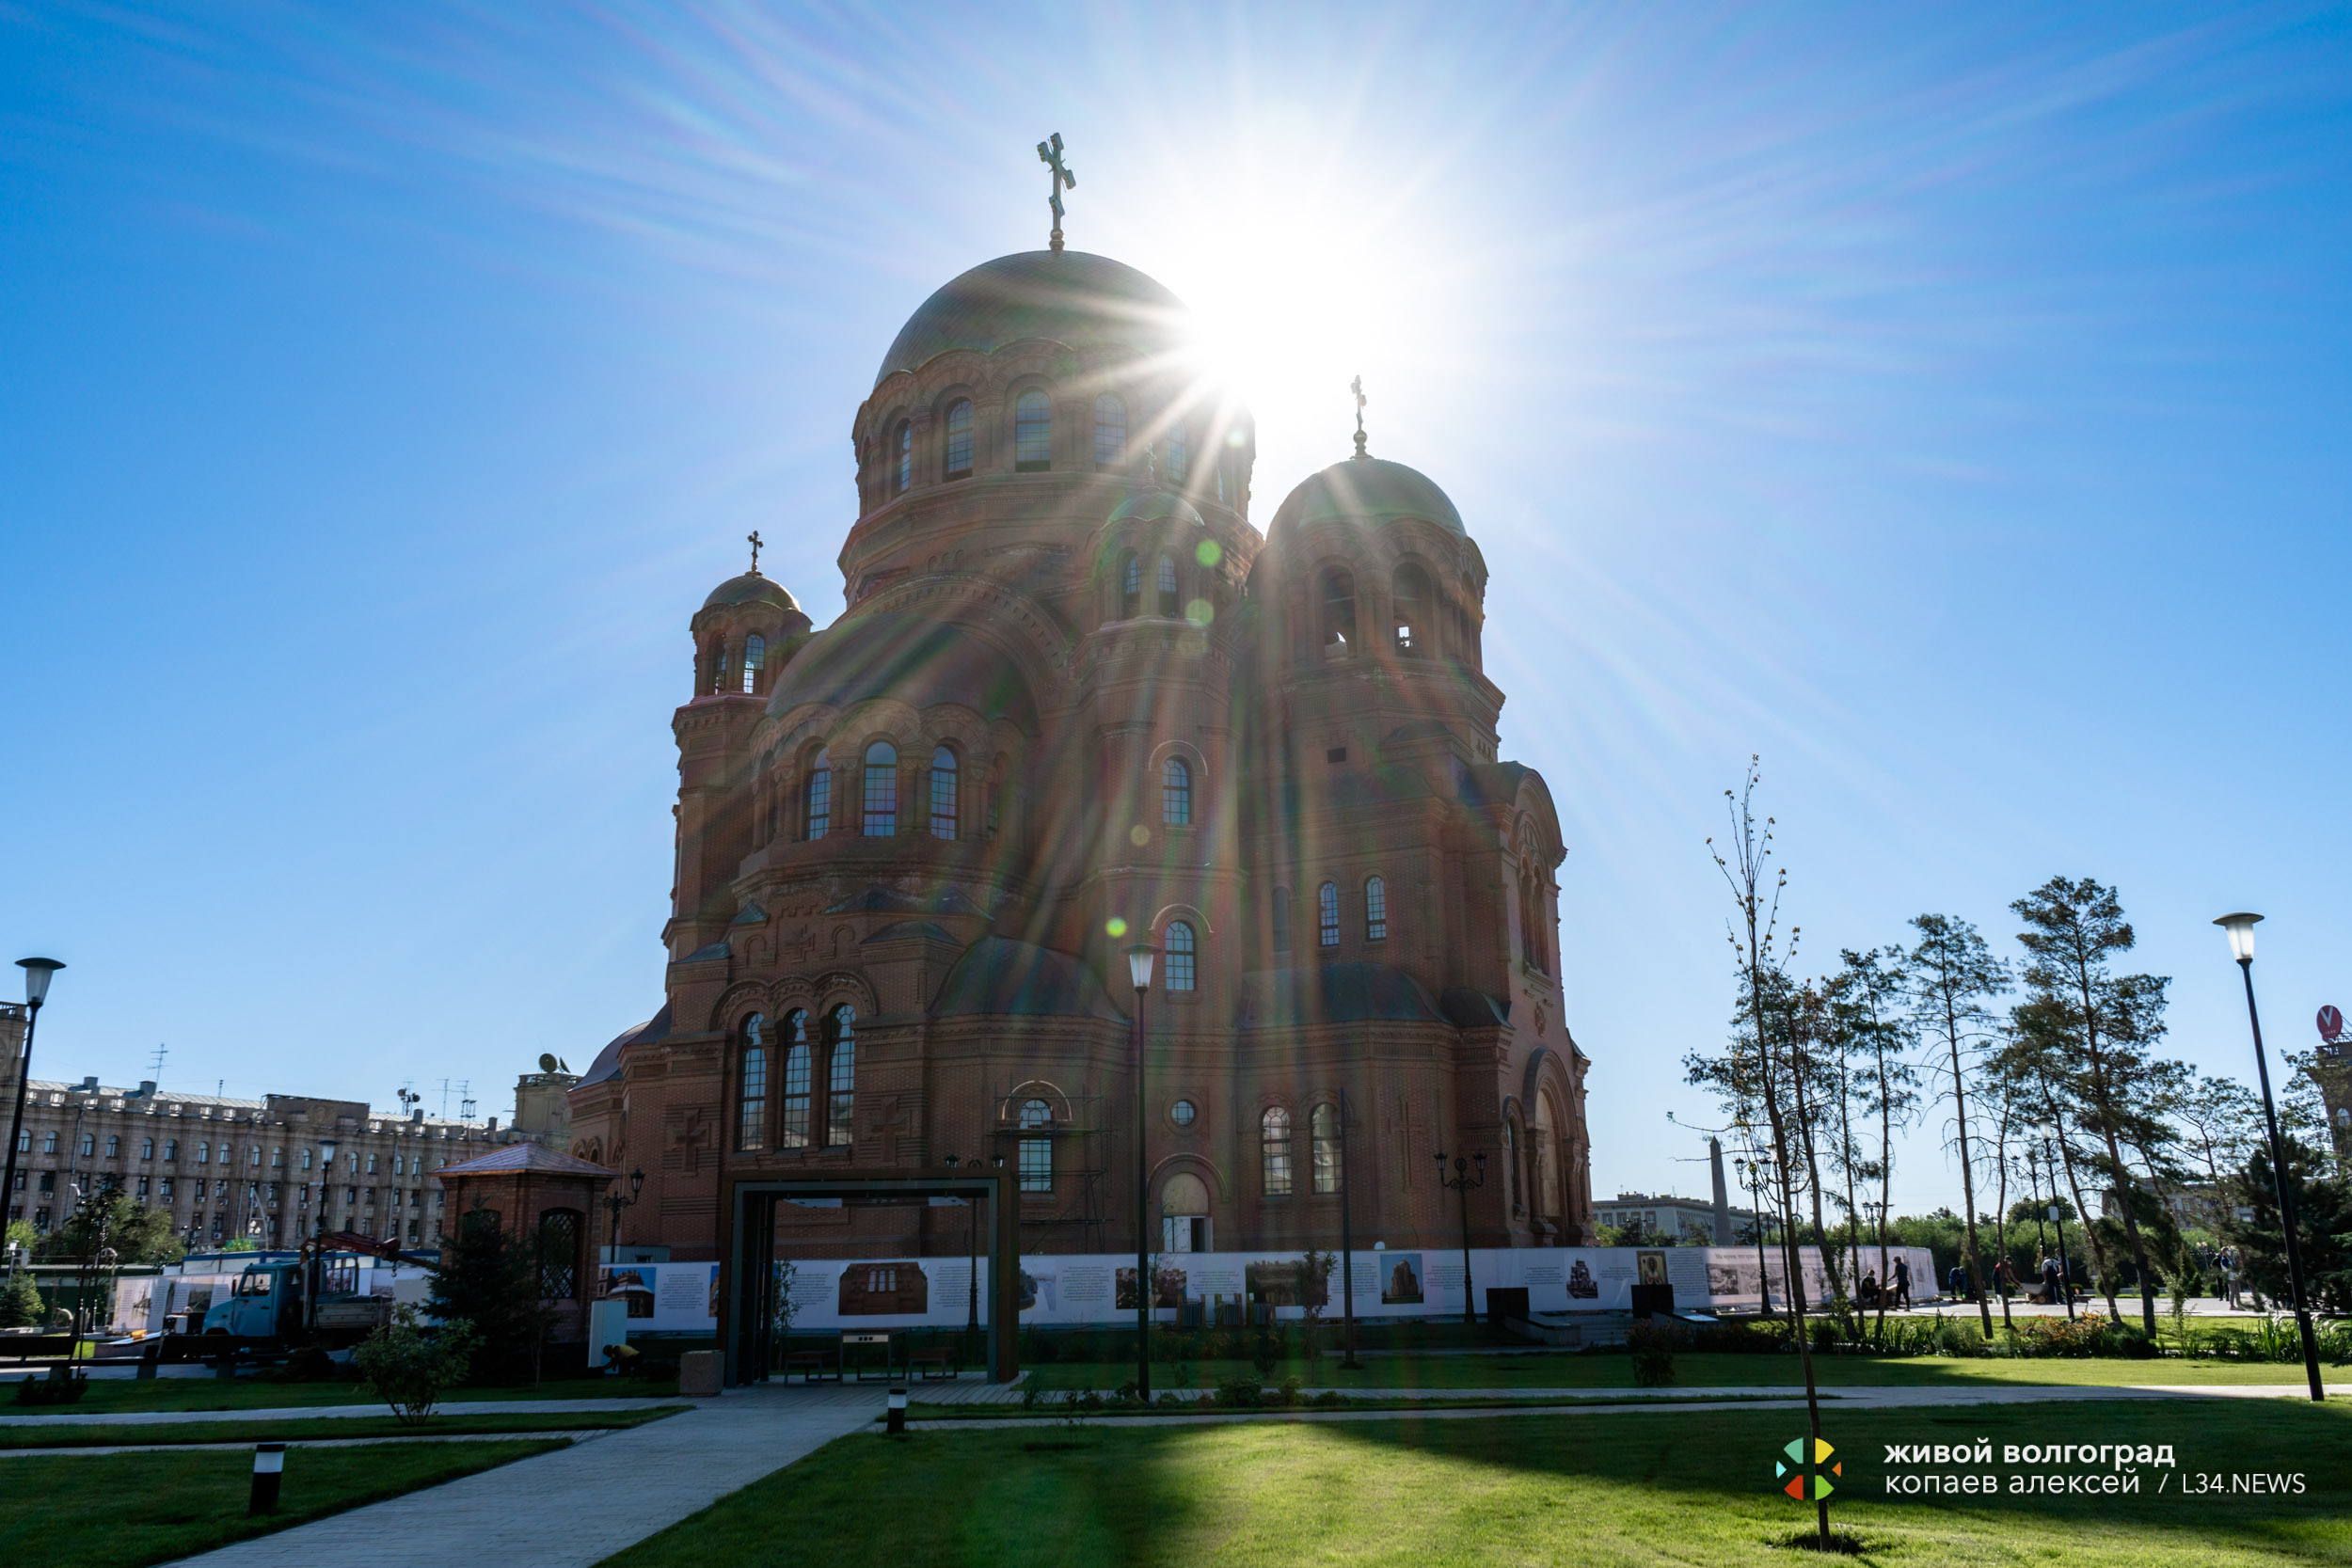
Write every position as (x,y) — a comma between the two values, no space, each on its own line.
(753,537)
(1357,386)
(1049,153)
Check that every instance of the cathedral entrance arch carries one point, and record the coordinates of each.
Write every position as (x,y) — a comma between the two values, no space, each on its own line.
(747,1276)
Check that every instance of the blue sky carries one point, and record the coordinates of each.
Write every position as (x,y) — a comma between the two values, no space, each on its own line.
(1949,405)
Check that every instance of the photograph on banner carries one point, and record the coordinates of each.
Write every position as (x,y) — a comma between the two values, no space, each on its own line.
(1279,1282)
(1401,1279)
(634,1284)
(1168,1286)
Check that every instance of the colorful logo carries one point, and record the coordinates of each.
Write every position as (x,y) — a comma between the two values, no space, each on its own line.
(1794,1468)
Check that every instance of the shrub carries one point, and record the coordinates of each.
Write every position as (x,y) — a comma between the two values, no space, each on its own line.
(1268,1351)
(63,1385)
(1653,1346)
(1288,1393)
(1167,1401)
(1240,1392)
(410,1369)
(1957,1338)
(1330,1399)
(1030,1394)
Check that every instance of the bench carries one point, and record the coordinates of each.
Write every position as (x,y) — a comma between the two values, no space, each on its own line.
(24,1347)
(812,1365)
(936,1361)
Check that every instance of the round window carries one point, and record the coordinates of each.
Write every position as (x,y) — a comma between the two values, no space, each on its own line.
(1182,1112)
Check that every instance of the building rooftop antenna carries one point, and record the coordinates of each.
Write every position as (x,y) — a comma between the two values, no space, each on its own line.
(161,1051)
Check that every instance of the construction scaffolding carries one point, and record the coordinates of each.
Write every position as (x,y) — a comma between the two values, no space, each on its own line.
(1063,1156)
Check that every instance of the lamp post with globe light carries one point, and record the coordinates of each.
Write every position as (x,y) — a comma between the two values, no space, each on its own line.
(38,974)
(1462,1182)
(1140,958)
(2241,931)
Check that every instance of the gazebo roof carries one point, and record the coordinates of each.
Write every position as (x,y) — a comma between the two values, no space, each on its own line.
(536,1156)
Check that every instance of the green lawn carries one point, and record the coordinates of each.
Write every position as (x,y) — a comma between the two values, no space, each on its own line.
(123,1511)
(1586,1490)
(1559,1369)
(248,1393)
(99,1435)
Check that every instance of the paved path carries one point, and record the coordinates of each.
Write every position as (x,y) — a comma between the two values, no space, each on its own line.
(6,1454)
(1777,1398)
(304,1412)
(580,1504)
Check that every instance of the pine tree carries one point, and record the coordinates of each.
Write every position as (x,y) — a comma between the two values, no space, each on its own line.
(2073,929)
(490,1279)
(2323,1229)
(1868,993)
(20,1302)
(1951,973)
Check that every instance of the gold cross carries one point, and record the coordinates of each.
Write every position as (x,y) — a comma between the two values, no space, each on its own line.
(753,537)
(1049,153)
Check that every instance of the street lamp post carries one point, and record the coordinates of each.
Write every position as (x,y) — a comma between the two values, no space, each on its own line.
(2058,1218)
(1140,958)
(2241,931)
(614,1203)
(1462,1182)
(37,973)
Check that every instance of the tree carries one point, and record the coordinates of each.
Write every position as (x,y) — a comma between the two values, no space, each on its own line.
(2303,1111)
(19,1301)
(409,1367)
(1951,973)
(109,1218)
(2221,1119)
(1756,892)
(2323,1229)
(489,1278)
(1867,996)
(2073,929)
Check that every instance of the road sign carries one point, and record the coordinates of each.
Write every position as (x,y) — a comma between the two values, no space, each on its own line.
(2330,1024)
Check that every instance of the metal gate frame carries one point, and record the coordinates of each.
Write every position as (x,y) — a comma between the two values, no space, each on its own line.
(746,1288)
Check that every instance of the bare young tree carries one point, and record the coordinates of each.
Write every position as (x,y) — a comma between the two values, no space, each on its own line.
(1870,998)
(1952,973)
(1754,932)
(2218,1118)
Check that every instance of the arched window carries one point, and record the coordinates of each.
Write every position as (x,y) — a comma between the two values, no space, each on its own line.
(882,790)
(942,793)
(1375,909)
(1327,915)
(1169,605)
(559,1254)
(1185,1213)
(1281,920)
(960,440)
(817,799)
(1032,433)
(1511,1162)
(114,1146)
(1179,452)
(796,1081)
(1339,615)
(841,1080)
(1410,588)
(903,475)
(1322,1132)
(754,660)
(1274,1146)
(172,1148)
(1181,954)
(1036,1153)
(1176,792)
(203,1151)
(719,667)
(1532,945)
(1110,430)
(1130,587)
(751,1123)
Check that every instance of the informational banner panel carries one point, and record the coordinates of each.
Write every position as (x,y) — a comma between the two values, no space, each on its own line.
(1073,1289)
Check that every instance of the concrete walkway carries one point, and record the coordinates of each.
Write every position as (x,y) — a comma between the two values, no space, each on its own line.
(308,1411)
(580,1504)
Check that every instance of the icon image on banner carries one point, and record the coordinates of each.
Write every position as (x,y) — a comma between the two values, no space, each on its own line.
(1793,1467)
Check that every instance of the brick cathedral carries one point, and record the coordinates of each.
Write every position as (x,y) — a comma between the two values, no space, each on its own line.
(1077,702)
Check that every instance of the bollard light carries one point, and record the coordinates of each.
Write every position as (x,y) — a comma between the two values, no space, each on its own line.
(269,1466)
(897,1412)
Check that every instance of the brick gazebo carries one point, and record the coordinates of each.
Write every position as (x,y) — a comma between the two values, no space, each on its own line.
(547,1194)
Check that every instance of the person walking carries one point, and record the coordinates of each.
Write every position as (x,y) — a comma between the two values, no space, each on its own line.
(2053,1281)
(1902,1282)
